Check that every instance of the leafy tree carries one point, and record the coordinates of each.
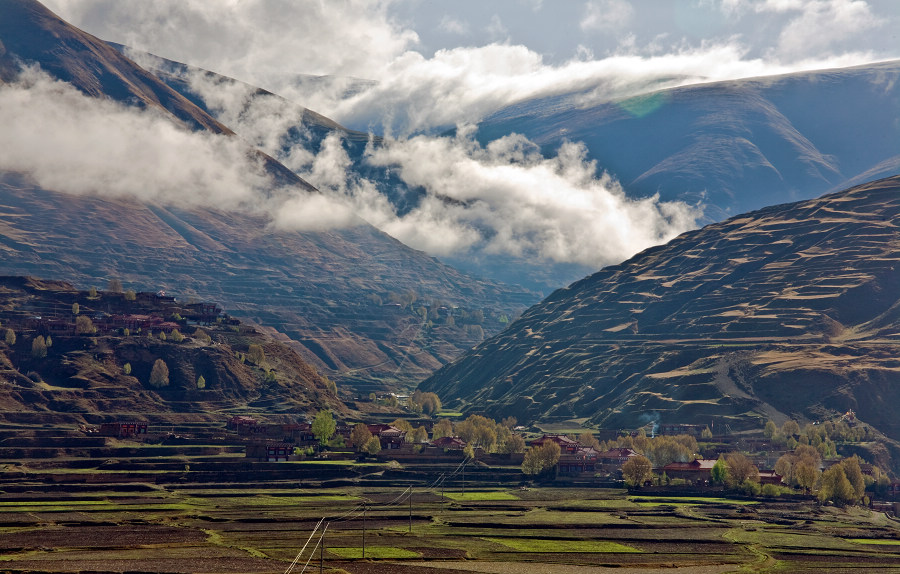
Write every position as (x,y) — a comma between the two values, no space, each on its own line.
(201,382)
(177,336)
(92,293)
(130,295)
(532,464)
(588,439)
(790,428)
(509,422)
(513,444)
(637,470)
(270,377)
(806,474)
(403,425)
(48,341)
(854,475)
(373,446)
(740,469)
(162,336)
(10,337)
(159,374)
(836,487)
(76,308)
(360,436)
(706,434)
(202,335)
(419,435)
(549,452)
(770,429)
(126,368)
(39,347)
(114,285)
(84,326)
(719,472)
(323,426)
(255,354)
(442,428)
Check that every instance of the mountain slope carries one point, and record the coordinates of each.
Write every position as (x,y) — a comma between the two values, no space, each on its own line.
(734,146)
(82,375)
(331,292)
(787,311)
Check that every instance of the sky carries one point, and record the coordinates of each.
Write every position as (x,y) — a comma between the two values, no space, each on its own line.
(408,70)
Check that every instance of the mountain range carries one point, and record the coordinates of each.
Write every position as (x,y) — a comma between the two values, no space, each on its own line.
(789,311)
(342,298)
(731,146)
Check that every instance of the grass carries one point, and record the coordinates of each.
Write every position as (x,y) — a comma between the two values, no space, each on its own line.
(480,496)
(692,500)
(375,552)
(551,545)
(885,541)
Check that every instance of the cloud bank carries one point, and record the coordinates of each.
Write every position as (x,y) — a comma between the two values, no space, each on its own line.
(419,85)
(66,141)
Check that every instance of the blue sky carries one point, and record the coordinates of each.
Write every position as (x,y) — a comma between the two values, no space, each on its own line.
(440,63)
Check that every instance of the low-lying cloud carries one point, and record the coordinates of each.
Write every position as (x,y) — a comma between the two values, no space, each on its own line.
(502,199)
(66,141)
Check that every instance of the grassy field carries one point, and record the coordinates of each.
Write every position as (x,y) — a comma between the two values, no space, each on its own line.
(261,529)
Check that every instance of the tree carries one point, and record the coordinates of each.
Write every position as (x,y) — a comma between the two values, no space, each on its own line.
(532,464)
(854,475)
(84,326)
(76,309)
(48,341)
(201,382)
(419,435)
(836,487)
(114,285)
(177,336)
(442,428)
(706,434)
(130,295)
(740,469)
(39,347)
(323,426)
(92,293)
(373,446)
(588,439)
(549,453)
(10,337)
(770,429)
(719,472)
(514,444)
(255,354)
(202,335)
(790,428)
(403,425)
(637,470)
(126,368)
(360,436)
(159,374)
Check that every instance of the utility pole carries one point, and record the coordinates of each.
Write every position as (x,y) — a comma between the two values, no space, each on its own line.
(410,509)
(322,551)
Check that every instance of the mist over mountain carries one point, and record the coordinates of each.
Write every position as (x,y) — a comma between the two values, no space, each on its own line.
(730,146)
(114,174)
(789,311)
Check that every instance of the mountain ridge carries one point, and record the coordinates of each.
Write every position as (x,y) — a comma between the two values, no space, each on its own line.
(789,311)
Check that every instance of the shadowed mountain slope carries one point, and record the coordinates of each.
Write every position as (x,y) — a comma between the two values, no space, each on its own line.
(343,296)
(733,146)
(793,310)
(108,373)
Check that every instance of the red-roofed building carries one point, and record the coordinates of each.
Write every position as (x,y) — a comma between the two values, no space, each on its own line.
(449,443)
(566,445)
(391,437)
(581,461)
(696,471)
(613,459)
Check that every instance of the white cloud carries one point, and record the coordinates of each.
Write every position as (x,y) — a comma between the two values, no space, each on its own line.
(69,142)
(270,42)
(453,25)
(606,15)
(503,199)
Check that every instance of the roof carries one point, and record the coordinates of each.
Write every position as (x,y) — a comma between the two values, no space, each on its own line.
(619,452)
(699,464)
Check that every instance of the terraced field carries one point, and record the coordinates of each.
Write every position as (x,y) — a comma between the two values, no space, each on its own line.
(790,311)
